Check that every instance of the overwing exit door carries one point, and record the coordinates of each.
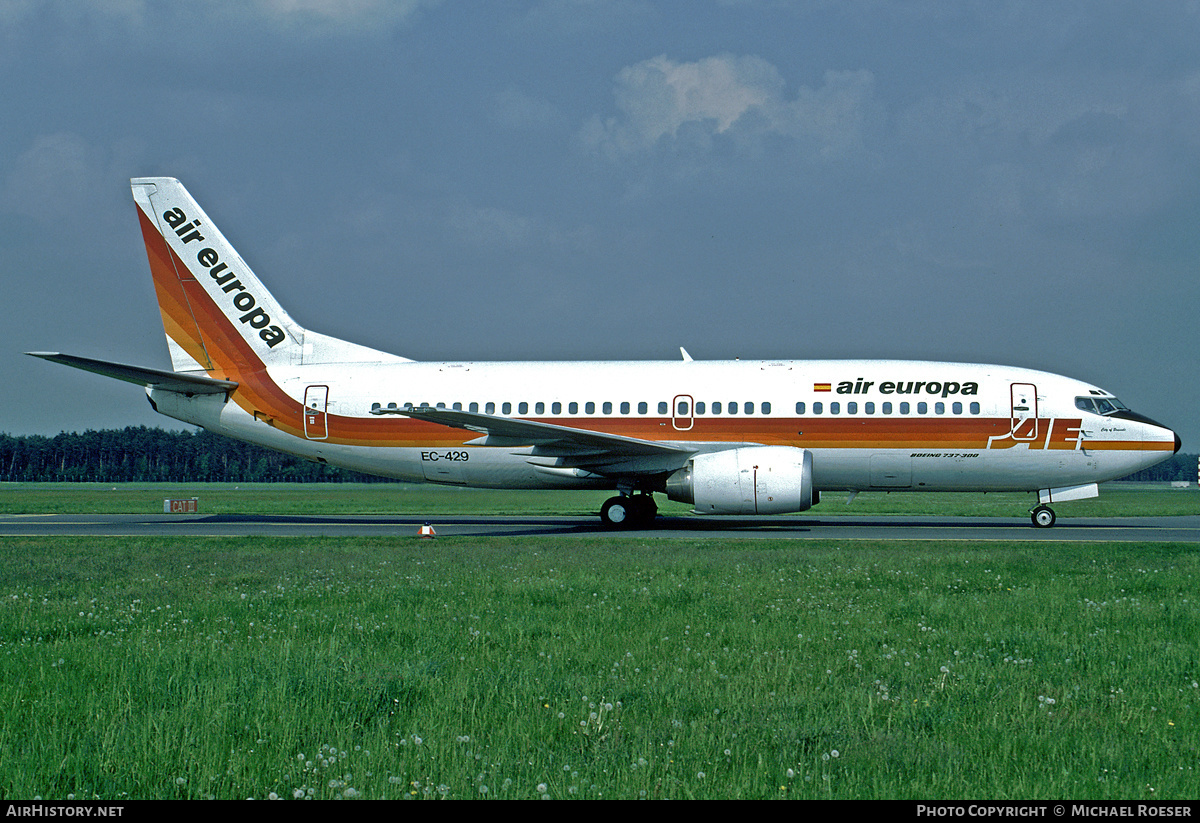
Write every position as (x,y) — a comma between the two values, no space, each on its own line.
(316,399)
(682,412)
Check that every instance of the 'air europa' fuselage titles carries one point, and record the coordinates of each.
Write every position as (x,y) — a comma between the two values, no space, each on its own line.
(934,387)
(225,277)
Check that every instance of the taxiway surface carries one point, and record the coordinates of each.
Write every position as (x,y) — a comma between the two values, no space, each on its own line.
(882,527)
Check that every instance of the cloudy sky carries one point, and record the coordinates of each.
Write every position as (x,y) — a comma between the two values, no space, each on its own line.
(1008,182)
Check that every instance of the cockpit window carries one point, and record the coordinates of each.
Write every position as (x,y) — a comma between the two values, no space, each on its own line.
(1099,405)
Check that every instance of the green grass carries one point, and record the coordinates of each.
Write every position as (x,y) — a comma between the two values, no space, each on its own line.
(663,668)
(395,498)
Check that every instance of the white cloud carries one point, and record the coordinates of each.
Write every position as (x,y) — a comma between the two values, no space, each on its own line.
(570,19)
(57,169)
(740,96)
(62,175)
(492,228)
(349,13)
(514,109)
(1057,146)
(310,16)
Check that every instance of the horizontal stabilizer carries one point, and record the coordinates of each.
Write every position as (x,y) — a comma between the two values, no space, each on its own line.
(151,378)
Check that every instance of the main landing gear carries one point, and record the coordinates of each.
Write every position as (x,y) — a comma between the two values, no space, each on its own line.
(633,511)
(1042,517)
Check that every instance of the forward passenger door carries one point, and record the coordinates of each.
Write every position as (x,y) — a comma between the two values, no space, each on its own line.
(1024,412)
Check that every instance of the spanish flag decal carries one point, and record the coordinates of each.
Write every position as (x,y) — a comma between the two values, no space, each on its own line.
(822,387)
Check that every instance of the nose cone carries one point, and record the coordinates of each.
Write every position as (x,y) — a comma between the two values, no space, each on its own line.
(1126,414)
(1167,431)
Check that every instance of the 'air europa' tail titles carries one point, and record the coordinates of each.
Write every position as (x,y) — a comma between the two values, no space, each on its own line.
(217,313)
(243,299)
(235,321)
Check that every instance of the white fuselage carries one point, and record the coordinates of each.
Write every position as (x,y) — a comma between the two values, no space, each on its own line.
(869,424)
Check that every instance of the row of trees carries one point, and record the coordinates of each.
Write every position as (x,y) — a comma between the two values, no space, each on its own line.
(1175,468)
(145,454)
(155,455)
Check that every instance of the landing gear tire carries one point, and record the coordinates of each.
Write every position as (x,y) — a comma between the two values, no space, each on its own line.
(629,512)
(1042,517)
(616,513)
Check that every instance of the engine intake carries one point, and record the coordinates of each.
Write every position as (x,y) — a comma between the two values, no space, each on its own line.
(749,480)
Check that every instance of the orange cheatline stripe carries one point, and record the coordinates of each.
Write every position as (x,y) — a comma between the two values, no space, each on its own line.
(1129,445)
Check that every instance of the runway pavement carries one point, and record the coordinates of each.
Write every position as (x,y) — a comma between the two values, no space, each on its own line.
(879,527)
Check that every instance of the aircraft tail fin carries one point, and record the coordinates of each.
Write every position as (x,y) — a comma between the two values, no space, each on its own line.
(218,316)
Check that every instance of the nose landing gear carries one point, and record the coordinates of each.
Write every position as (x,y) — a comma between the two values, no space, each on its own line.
(1043,517)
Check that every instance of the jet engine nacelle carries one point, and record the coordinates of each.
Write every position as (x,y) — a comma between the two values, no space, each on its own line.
(749,480)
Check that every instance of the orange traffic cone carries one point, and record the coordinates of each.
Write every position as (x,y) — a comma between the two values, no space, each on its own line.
(427,531)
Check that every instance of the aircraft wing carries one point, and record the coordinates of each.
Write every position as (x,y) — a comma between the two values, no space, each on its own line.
(560,448)
(151,378)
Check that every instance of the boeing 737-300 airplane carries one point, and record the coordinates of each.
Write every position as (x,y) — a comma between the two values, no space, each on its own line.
(730,437)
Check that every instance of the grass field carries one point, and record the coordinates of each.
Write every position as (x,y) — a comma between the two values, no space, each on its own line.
(622,668)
